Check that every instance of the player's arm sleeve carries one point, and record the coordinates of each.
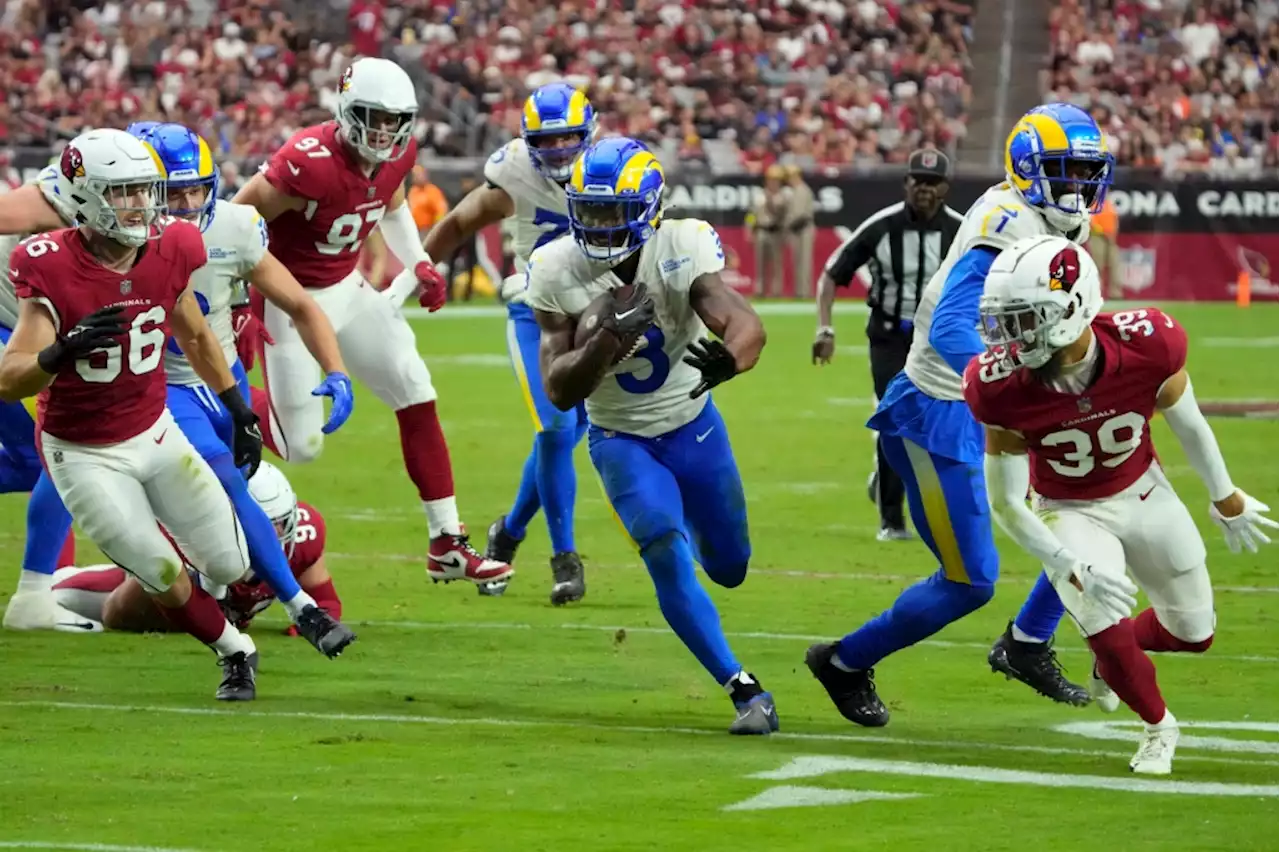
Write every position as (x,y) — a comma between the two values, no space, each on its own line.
(254,245)
(1194,433)
(708,251)
(853,254)
(1008,480)
(953,333)
(27,284)
(539,288)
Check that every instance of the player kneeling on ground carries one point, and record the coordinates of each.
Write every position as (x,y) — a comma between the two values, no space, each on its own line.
(1065,394)
(95,308)
(623,305)
(107,594)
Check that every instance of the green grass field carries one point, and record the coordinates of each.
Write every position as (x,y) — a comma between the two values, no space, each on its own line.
(466,723)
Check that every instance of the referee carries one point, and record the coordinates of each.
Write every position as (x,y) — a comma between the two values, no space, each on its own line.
(902,246)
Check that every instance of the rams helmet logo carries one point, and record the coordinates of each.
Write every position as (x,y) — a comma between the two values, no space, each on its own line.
(72,164)
(1064,270)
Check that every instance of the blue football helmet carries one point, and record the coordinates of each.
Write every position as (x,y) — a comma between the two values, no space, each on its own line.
(188,161)
(1057,160)
(553,115)
(615,198)
(142,129)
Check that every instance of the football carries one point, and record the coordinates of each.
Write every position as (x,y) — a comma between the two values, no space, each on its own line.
(589,322)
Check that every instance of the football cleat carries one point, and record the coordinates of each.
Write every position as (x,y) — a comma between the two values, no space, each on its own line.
(1103,696)
(1036,665)
(239,677)
(502,545)
(853,693)
(453,558)
(40,610)
(569,582)
(328,635)
(1155,751)
(757,714)
(891,534)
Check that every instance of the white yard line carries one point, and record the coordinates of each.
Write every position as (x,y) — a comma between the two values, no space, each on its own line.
(85,847)
(487,722)
(788,796)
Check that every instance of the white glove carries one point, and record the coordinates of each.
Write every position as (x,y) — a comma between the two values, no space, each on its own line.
(1116,595)
(1245,529)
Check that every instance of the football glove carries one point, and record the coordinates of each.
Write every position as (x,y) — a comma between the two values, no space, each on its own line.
(1245,530)
(432,287)
(97,330)
(1115,595)
(251,335)
(246,437)
(337,387)
(714,360)
(632,316)
(824,345)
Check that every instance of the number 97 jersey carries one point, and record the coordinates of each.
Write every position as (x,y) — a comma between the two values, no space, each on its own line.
(1094,444)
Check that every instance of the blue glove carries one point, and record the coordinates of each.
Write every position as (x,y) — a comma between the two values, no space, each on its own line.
(337,387)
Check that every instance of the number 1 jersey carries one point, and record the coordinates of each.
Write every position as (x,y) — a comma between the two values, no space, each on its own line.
(320,244)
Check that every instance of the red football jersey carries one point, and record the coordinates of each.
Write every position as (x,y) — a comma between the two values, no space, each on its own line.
(1093,444)
(118,392)
(252,597)
(321,243)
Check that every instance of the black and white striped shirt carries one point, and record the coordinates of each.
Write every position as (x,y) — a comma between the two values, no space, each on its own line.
(902,253)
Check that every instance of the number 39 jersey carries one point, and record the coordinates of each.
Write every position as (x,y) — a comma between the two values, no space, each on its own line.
(320,244)
(116,392)
(1094,444)
(647,394)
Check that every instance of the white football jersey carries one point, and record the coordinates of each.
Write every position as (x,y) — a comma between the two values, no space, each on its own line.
(235,241)
(47,180)
(647,394)
(998,219)
(542,211)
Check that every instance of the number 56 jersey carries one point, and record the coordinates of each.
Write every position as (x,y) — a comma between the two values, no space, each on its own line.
(648,394)
(1094,444)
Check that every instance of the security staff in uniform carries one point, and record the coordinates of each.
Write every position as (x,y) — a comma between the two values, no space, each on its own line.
(902,246)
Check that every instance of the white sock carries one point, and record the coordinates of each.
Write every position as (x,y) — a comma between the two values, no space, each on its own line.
(1166,721)
(296,604)
(33,581)
(442,516)
(232,641)
(1022,636)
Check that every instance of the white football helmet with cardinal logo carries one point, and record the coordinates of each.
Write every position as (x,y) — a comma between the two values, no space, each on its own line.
(1041,294)
(377,105)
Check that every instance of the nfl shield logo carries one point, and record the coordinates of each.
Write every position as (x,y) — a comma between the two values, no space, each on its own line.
(57,456)
(372,192)
(929,159)
(1137,268)
(1084,404)
(126,287)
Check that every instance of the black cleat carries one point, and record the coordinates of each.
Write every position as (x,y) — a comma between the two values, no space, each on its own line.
(502,547)
(322,630)
(1036,665)
(239,677)
(853,693)
(757,715)
(569,583)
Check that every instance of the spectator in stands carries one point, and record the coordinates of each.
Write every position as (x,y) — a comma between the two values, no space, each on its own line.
(426,202)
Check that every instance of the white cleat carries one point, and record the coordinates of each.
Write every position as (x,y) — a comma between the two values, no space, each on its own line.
(1155,752)
(40,611)
(1104,697)
(890,534)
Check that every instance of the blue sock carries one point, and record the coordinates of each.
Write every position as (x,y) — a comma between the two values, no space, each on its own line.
(557,485)
(527,502)
(687,606)
(918,613)
(48,524)
(1042,611)
(18,471)
(266,556)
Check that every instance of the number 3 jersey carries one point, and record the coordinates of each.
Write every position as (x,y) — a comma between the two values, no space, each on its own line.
(320,244)
(647,394)
(542,211)
(1096,443)
(235,242)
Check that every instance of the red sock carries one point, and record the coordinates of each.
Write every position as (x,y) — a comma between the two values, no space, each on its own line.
(426,455)
(105,580)
(200,616)
(326,597)
(1151,635)
(1127,670)
(67,556)
(261,404)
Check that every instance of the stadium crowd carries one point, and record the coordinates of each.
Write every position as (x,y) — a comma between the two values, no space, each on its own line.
(1182,87)
(835,82)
